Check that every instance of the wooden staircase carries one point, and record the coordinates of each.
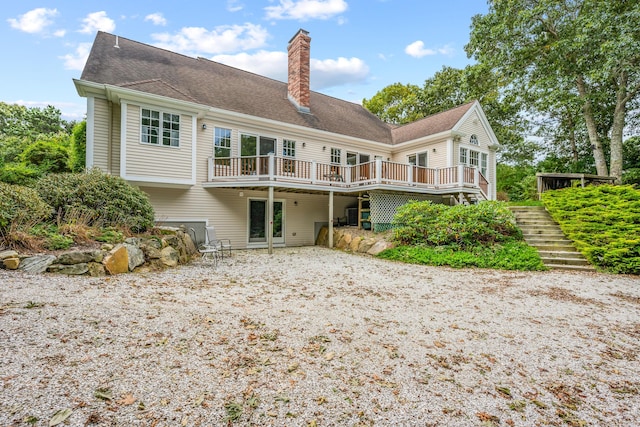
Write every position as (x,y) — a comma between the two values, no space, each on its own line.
(544,234)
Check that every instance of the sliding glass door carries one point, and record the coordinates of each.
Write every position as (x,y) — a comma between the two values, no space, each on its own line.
(258,221)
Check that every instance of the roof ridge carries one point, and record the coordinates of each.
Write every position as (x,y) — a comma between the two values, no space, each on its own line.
(128,84)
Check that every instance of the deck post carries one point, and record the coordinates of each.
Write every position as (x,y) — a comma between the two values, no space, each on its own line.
(476,177)
(461,176)
(409,174)
(272,166)
(270,220)
(314,171)
(330,241)
(378,170)
(211,164)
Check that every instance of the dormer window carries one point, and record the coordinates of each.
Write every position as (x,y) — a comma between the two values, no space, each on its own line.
(473,140)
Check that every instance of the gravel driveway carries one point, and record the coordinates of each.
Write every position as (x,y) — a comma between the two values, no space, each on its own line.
(318,337)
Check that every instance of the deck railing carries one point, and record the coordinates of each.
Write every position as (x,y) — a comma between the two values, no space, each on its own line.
(272,168)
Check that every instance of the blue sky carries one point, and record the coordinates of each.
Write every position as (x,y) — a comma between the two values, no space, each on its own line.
(358,46)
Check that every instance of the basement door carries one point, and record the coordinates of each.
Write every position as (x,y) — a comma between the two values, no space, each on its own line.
(258,221)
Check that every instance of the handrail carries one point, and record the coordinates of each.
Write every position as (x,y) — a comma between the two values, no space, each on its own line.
(378,171)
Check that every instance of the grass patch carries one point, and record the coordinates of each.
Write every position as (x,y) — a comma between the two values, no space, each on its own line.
(507,256)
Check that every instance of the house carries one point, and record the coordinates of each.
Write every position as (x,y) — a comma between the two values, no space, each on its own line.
(266,162)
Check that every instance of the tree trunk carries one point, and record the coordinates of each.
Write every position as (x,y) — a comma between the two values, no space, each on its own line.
(617,127)
(596,145)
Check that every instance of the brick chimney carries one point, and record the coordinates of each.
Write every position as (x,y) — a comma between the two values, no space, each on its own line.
(299,50)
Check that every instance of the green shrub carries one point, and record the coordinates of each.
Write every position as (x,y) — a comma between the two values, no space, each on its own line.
(20,207)
(105,200)
(50,156)
(53,240)
(78,147)
(19,174)
(508,256)
(603,221)
(110,235)
(461,225)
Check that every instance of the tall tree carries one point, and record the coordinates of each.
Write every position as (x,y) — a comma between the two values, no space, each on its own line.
(18,120)
(451,87)
(553,52)
(396,104)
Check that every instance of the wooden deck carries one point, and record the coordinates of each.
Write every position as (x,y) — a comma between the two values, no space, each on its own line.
(256,171)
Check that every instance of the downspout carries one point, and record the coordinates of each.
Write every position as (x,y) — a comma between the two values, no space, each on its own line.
(109,136)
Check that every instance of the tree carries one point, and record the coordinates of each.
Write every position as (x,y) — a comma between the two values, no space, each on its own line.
(21,121)
(580,54)
(78,147)
(451,87)
(396,103)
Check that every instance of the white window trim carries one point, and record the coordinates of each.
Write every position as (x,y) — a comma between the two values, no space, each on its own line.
(160,136)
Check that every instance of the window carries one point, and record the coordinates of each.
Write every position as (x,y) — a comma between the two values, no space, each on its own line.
(357,158)
(222,145)
(473,140)
(288,151)
(336,155)
(483,163)
(152,124)
(288,148)
(463,156)
(473,158)
(419,159)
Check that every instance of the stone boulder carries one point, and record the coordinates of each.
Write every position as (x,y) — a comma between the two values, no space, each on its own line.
(8,254)
(69,269)
(169,256)
(37,263)
(117,260)
(379,247)
(136,256)
(79,257)
(96,269)
(11,263)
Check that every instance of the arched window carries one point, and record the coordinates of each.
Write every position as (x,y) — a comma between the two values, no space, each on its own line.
(473,140)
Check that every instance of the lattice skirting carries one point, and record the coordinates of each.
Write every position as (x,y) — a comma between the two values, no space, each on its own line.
(384,205)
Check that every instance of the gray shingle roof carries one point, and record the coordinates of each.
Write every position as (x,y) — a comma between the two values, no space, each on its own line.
(161,72)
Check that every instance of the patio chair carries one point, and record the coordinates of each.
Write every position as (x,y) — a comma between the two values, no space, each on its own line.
(206,249)
(212,240)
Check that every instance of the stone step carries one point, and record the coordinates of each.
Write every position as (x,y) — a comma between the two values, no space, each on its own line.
(543,233)
(584,268)
(564,261)
(537,233)
(540,247)
(561,254)
(536,221)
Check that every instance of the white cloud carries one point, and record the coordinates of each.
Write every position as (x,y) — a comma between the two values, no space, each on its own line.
(34,21)
(417,50)
(156,19)
(59,33)
(264,63)
(336,72)
(97,21)
(228,38)
(324,73)
(306,9)
(234,5)
(76,60)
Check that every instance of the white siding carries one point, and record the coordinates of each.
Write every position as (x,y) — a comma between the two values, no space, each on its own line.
(157,161)
(101,134)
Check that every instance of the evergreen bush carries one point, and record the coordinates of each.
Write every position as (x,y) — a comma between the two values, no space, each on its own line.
(461,225)
(20,207)
(603,222)
(105,200)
